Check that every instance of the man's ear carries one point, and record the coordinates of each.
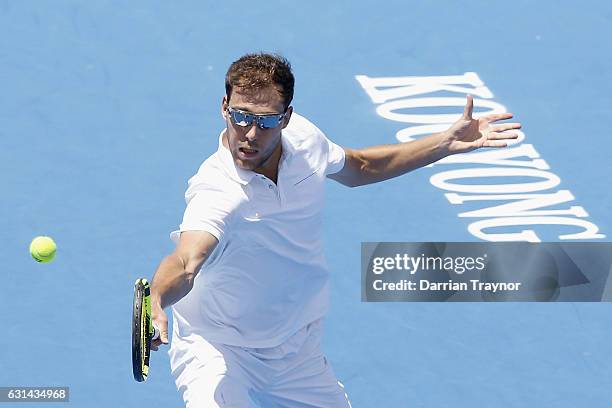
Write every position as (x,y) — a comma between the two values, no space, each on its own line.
(224,104)
(287,116)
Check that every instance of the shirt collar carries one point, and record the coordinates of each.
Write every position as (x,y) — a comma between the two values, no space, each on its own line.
(245,176)
(288,148)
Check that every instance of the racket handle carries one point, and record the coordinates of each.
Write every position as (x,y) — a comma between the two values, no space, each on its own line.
(155,333)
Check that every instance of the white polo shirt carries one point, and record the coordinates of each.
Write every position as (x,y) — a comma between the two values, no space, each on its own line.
(267,277)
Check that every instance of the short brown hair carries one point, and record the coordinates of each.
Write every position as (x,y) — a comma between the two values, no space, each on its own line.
(261,70)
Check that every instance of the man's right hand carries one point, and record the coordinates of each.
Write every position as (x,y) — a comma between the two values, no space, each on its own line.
(160,322)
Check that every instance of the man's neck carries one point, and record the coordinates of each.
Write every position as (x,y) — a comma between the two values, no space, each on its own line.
(270,167)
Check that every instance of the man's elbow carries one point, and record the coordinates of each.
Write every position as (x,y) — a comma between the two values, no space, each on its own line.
(346,180)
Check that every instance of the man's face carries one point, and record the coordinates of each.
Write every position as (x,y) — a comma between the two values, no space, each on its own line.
(251,146)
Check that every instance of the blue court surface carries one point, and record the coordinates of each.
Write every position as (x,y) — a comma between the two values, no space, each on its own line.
(108,107)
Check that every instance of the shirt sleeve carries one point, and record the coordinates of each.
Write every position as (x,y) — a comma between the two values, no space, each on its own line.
(209,209)
(335,157)
(321,153)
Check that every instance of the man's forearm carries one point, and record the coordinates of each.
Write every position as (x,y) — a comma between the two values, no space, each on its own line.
(171,282)
(378,163)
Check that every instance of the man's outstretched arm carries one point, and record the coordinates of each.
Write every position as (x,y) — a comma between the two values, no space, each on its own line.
(175,275)
(378,163)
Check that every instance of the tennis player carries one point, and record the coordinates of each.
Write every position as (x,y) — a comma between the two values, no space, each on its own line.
(248,283)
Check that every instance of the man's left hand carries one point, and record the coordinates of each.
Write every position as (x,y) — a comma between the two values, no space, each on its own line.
(469,133)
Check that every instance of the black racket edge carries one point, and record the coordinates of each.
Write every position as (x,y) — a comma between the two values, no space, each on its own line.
(140,348)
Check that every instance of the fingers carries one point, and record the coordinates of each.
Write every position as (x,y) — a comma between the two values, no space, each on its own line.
(163,334)
(155,344)
(494,143)
(505,126)
(160,322)
(469,107)
(497,117)
(502,135)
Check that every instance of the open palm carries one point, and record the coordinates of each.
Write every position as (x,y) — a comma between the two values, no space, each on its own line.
(469,133)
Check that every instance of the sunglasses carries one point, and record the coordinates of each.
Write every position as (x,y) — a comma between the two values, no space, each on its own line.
(245,119)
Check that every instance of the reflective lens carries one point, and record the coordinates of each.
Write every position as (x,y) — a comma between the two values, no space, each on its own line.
(244,119)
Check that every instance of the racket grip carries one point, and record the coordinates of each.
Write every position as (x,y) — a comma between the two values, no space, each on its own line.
(155,333)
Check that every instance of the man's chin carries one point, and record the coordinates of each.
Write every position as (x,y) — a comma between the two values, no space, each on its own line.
(246,164)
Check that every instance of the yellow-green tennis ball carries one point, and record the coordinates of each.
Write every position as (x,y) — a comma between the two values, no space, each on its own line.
(43,249)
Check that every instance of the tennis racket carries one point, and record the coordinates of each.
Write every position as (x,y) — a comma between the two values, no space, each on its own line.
(143,331)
